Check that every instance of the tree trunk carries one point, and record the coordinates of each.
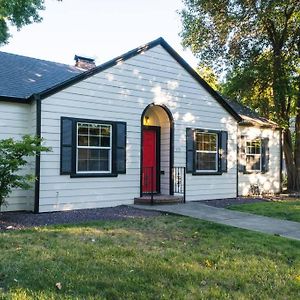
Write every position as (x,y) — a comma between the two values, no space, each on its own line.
(297,147)
(282,115)
(297,133)
(289,160)
(279,90)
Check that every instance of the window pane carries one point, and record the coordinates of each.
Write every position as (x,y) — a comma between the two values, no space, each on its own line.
(94,154)
(94,165)
(83,140)
(104,160)
(105,141)
(94,141)
(105,130)
(82,165)
(83,130)
(253,162)
(206,161)
(82,154)
(105,136)
(95,131)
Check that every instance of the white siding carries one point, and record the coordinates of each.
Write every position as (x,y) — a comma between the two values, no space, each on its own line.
(16,121)
(121,93)
(268,182)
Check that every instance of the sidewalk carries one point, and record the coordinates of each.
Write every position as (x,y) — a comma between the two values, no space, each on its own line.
(248,221)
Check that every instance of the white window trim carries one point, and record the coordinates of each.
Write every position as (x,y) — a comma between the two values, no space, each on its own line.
(247,154)
(206,151)
(94,147)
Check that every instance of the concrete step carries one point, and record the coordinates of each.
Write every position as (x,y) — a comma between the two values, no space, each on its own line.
(159,199)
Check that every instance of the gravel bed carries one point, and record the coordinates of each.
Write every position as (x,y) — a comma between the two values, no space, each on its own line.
(21,220)
(223,203)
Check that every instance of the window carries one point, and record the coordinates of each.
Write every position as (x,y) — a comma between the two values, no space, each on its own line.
(94,149)
(206,151)
(253,155)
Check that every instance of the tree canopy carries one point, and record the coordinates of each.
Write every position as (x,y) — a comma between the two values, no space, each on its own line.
(257,44)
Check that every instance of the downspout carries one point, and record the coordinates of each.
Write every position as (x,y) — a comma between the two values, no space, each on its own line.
(37,99)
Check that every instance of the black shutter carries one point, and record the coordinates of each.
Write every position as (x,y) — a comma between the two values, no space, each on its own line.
(190,151)
(223,151)
(66,145)
(265,155)
(120,148)
(242,155)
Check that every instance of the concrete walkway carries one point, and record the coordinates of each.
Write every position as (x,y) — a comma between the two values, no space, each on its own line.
(243,220)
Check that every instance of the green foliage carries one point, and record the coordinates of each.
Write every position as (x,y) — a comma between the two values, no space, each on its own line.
(256,41)
(281,209)
(209,76)
(252,86)
(13,156)
(18,13)
(167,257)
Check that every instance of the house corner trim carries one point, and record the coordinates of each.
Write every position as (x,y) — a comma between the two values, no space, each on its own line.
(37,157)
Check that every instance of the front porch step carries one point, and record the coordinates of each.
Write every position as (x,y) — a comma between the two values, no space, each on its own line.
(158,199)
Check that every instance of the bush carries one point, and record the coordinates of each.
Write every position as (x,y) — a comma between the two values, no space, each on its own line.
(13,154)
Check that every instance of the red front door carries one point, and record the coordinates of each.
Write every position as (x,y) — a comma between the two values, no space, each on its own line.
(150,160)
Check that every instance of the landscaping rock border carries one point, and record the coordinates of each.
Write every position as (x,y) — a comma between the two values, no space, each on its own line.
(22,220)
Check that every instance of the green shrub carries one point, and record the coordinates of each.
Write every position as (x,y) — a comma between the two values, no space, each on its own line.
(13,154)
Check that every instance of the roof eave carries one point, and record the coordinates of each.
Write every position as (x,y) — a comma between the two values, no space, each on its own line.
(254,124)
(15,99)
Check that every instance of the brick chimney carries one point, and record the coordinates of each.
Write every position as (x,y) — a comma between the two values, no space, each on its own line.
(84,63)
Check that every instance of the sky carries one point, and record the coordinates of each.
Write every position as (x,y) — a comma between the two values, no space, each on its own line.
(102,29)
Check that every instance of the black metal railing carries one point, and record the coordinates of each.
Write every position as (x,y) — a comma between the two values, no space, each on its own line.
(179,181)
(148,184)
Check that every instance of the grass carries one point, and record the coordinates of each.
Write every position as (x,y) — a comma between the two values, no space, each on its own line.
(281,209)
(166,257)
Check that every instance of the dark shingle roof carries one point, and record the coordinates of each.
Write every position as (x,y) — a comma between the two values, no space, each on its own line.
(249,116)
(21,76)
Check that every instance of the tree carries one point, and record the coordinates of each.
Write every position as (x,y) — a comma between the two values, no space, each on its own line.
(250,38)
(13,156)
(209,76)
(18,13)
(252,86)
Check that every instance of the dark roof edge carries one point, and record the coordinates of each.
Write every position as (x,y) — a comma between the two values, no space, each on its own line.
(134,52)
(14,99)
(200,80)
(98,69)
(265,125)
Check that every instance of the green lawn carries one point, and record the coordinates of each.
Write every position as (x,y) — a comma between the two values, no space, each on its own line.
(166,257)
(284,209)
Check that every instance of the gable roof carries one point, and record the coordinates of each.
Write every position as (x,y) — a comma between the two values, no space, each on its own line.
(21,76)
(25,78)
(249,116)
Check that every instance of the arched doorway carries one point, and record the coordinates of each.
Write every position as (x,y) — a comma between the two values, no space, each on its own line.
(157,150)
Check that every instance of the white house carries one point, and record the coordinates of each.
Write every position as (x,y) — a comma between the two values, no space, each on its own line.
(123,129)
